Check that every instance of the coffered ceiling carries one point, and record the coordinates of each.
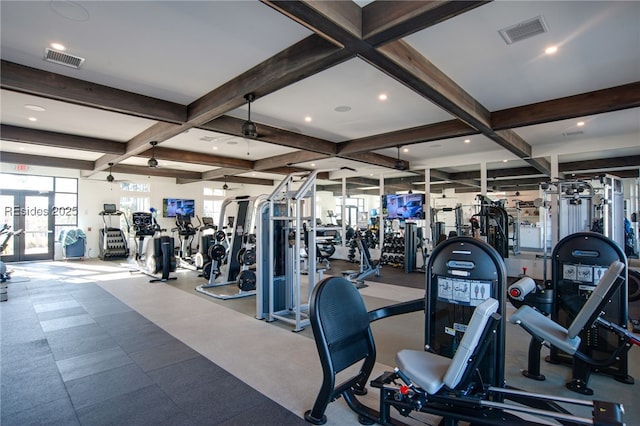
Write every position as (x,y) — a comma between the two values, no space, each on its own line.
(457,94)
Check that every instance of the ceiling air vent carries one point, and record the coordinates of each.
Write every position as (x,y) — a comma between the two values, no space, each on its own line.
(62,58)
(572,133)
(524,30)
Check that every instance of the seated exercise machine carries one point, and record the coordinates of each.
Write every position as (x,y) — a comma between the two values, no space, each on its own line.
(187,232)
(579,263)
(460,375)
(368,266)
(6,234)
(545,331)
(113,243)
(234,254)
(154,252)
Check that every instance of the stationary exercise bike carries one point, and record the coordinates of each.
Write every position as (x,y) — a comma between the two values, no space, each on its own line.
(6,234)
(157,257)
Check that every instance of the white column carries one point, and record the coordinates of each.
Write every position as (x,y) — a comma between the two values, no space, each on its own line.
(427,206)
(380,216)
(344,211)
(555,173)
(483,178)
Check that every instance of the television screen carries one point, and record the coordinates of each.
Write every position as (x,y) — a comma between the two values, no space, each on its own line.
(405,206)
(173,206)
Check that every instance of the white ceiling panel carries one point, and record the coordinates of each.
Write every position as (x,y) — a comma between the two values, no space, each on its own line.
(353,84)
(47,151)
(172,50)
(64,117)
(597,48)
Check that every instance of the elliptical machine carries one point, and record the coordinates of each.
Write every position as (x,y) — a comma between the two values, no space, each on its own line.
(186,234)
(6,233)
(157,257)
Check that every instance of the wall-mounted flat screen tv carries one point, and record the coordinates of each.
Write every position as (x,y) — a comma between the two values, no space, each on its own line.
(173,206)
(405,206)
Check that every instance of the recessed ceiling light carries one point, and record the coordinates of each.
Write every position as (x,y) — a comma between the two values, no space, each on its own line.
(467,141)
(580,123)
(35,107)
(504,161)
(405,150)
(382,97)
(58,46)
(33,119)
(215,148)
(313,164)
(22,148)
(342,108)
(551,50)
(253,174)
(307,119)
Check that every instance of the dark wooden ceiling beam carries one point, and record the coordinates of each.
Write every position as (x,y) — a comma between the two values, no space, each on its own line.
(385,21)
(245,180)
(303,59)
(233,126)
(600,164)
(155,171)
(170,154)
(591,103)
(20,78)
(431,132)
(221,173)
(404,63)
(285,160)
(60,140)
(40,160)
(376,159)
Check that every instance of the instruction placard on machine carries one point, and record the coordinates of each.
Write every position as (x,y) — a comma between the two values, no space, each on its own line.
(587,274)
(463,291)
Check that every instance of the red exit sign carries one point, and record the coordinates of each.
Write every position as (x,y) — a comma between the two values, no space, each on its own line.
(22,167)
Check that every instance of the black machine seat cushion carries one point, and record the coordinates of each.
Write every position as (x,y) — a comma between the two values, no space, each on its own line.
(431,371)
(342,316)
(553,333)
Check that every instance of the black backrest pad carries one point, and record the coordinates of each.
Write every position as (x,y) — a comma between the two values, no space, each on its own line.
(342,318)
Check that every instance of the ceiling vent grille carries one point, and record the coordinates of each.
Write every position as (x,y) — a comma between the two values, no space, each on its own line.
(524,30)
(570,133)
(63,58)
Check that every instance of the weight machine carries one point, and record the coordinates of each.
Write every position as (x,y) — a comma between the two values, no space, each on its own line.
(282,237)
(460,375)
(579,264)
(234,253)
(113,244)
(494,224)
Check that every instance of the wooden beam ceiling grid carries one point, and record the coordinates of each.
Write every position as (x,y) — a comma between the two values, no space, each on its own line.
(343,30)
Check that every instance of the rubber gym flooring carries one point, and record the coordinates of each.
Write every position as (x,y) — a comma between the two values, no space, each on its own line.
(90,343)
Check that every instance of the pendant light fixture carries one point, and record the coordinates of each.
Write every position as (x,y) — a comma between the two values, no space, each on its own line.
(152,161)
(225,186)
(249,129)
(399,163)
(110,177)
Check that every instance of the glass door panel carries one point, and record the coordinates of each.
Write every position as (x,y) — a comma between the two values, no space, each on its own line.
(6,204)
(36,225)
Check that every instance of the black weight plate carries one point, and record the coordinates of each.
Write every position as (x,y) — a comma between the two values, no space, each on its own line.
(206,270)
(633,285)
(247,280)
(240,255)
(249,257)
(217,252)
(220,236)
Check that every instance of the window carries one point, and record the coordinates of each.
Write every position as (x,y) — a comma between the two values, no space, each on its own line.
(213,199)
(134,187)
(65,203)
